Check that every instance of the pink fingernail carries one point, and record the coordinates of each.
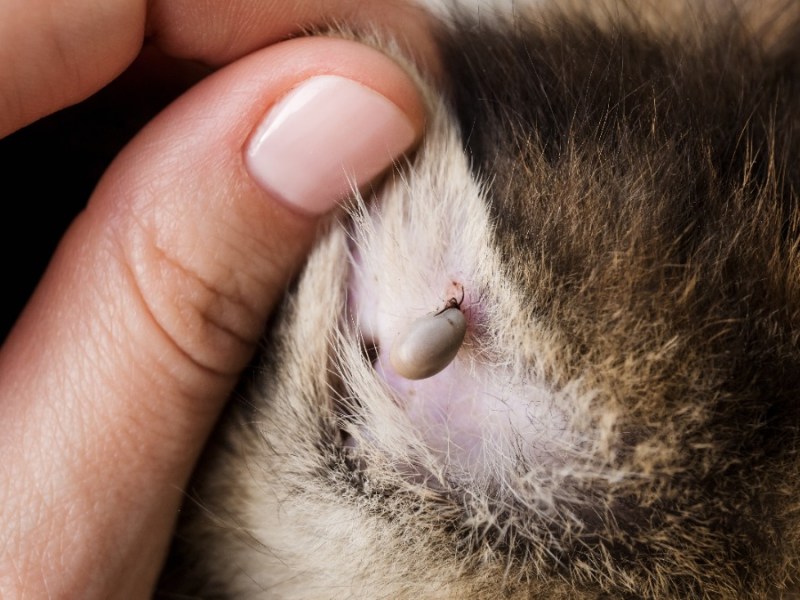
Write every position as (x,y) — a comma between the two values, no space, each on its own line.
(324,136)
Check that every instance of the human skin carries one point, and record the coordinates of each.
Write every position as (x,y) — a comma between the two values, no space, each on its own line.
(117,369)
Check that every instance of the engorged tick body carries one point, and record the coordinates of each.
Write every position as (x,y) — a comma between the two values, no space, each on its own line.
(429,344)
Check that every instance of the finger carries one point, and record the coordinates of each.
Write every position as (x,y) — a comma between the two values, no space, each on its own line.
(155,299)
(183,28)
(55,53)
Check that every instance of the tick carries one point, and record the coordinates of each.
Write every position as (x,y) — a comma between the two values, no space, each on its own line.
(430,343)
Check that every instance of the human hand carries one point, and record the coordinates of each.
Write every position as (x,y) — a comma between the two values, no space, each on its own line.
(116,371)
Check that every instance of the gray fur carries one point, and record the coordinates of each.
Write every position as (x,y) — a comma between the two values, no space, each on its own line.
(617,198)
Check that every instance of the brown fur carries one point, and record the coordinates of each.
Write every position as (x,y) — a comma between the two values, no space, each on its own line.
(625,223)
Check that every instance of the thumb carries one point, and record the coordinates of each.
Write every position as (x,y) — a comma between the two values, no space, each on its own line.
(155,299)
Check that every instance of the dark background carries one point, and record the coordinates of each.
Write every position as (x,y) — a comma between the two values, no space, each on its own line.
(50,168)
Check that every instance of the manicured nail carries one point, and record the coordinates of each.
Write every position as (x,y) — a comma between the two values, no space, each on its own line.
(323,137)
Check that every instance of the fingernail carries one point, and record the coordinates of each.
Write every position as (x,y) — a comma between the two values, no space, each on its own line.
(323,136)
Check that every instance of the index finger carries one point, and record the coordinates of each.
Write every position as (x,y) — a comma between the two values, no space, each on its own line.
(58,52)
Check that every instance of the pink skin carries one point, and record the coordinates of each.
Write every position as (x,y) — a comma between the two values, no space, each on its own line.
(444,408)
(471,411)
